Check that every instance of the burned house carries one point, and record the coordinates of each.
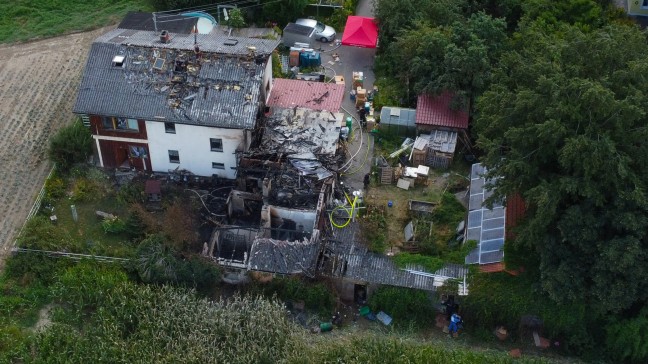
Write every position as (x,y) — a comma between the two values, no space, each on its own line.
(278,210)
(174,101)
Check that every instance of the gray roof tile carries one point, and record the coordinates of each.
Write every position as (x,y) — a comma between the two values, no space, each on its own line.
(220,90)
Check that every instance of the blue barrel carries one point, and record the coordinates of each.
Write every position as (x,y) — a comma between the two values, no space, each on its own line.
(390,203)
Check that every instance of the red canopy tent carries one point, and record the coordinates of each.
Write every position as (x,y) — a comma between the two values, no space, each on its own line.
(360,32)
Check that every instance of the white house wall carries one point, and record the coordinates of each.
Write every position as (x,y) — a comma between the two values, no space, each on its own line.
(267,80)
(193,145)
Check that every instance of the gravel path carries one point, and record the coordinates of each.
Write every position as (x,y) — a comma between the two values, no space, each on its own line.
(38,85)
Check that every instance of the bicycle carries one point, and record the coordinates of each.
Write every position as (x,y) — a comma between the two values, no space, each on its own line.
(341,215)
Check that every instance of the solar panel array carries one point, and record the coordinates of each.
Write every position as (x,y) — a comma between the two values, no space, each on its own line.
(485,225)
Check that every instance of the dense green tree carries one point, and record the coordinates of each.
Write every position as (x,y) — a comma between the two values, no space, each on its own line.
(397,16)
(565,125)
(285,11)
(72,144)
(457,57)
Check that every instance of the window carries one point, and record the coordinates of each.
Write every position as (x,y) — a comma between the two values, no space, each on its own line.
(113,123)
(174,156)
(218,165)
(216,144)
(169,128)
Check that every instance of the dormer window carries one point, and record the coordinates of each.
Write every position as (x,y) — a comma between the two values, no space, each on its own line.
(118,61)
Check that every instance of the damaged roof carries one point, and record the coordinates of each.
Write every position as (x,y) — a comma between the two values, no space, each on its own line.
(302,130)
(351,260)
(308,94)
(142,78)
(283,257)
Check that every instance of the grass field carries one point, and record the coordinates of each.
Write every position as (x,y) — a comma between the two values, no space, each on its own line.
(22,20)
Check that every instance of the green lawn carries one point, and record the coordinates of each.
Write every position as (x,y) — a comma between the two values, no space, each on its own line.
(88,228)
(22,20)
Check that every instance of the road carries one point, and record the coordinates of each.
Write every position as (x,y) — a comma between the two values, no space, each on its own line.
(354,59)
(38,84)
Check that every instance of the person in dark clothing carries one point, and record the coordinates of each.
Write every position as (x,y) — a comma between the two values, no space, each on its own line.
(366,181)
(363,117)
(450,307)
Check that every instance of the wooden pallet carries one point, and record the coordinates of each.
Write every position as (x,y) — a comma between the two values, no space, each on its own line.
(387,175)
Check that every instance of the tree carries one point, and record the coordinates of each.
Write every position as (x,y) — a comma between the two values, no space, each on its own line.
(236,19)
(458,57)
(564,124)
(72,144)
(284,11)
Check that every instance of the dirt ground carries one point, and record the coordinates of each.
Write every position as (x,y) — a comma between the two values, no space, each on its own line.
(38,85)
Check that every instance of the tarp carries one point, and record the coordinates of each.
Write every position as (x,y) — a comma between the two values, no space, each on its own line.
(360,32)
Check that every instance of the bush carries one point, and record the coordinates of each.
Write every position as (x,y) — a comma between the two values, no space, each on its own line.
(316,296)
(40,233)
(157,262)
(113,225)
(627,339)
(431,264)
(405,305)
(87,284)
(72,144)
(236,19)
(374,228)
(34,267)
(276,66)
(501,299)
(85,190)
(54,188)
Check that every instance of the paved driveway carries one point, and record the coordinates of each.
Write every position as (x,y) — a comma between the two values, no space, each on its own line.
(353,59)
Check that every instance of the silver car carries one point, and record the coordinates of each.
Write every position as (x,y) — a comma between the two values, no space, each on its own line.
(323,33)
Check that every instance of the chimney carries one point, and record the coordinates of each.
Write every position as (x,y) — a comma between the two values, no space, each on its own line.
(165,37)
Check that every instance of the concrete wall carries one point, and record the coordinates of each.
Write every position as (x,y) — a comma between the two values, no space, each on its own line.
(193,145)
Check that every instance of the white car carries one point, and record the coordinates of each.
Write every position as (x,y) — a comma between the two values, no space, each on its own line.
(323,33)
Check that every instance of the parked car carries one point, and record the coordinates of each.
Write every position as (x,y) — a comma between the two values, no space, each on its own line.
(296,33)
(323,33)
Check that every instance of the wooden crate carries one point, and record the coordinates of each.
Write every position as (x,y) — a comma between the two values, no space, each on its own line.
(419,157)
(386,175)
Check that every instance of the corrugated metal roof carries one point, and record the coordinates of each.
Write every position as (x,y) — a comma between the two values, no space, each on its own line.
(213,42)
(485,225)
(217,91)
(283,257)
(352,260)
(307,94)
(390,115)
(437,111)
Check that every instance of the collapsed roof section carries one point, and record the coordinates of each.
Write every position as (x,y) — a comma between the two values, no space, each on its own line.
(255,249)
(300,130)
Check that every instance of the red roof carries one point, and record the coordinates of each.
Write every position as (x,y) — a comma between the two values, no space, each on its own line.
(360,32)
(307,94)
(515,211)
(492,267)
(436,111)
